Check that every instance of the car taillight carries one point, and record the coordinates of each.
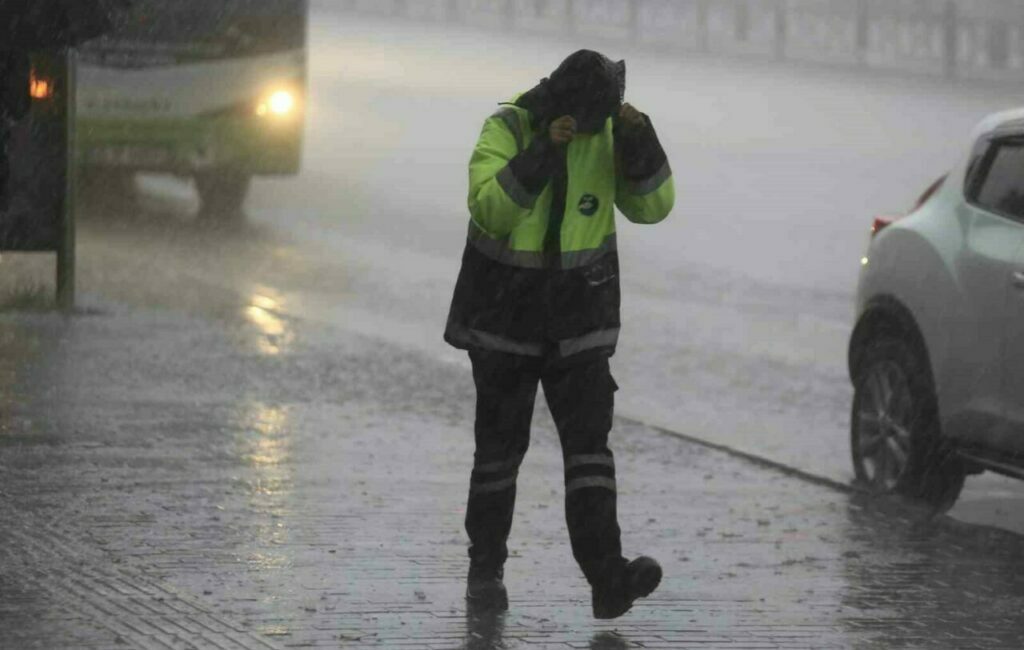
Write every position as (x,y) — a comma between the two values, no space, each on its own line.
(880,224)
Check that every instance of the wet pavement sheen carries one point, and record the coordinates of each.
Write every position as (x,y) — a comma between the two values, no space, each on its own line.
(246,480)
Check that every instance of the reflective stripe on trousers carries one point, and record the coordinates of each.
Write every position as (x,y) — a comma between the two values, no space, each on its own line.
(494,477)
(581,399)
(584,471)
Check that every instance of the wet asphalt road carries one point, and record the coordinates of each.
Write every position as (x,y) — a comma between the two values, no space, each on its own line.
(186,465)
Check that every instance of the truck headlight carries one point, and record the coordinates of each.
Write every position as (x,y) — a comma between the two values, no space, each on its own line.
(280,103)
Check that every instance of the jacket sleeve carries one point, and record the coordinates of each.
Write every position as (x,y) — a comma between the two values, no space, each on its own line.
(644,188)
(504,182)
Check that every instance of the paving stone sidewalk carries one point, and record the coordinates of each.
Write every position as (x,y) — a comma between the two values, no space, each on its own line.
(253,480)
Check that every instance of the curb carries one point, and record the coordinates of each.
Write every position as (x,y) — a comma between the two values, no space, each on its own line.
(921,513)
(754,459)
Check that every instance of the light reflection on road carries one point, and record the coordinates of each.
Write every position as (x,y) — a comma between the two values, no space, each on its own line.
(264,444)
(273,333)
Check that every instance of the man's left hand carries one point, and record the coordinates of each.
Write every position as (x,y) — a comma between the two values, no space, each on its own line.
(631,118)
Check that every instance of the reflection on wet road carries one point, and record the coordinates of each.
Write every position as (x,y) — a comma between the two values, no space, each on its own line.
(314,496)
(931,571)
(265,313)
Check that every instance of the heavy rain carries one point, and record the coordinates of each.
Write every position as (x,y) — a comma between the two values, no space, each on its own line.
(237,294)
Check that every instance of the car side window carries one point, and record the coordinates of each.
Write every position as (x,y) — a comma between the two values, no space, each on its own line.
(981,147)
(999,186)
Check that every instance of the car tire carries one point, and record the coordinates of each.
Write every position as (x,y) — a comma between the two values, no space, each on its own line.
(895,436)
(222,195)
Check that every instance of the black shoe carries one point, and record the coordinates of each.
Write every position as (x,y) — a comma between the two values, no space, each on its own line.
(485,590)
(636,580)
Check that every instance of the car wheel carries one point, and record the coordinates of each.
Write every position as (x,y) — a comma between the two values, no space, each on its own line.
(894,435)
(222,195)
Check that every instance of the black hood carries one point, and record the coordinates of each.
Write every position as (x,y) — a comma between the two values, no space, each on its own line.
(587,85)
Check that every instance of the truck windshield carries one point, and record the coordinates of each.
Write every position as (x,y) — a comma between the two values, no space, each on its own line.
(157,32)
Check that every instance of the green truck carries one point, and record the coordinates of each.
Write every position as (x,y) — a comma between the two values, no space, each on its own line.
(212,91)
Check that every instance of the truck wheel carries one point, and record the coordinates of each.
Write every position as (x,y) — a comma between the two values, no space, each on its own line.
(222,195)
(107,188)
(895,437)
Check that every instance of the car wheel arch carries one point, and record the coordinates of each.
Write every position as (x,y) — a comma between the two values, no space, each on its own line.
(886,317)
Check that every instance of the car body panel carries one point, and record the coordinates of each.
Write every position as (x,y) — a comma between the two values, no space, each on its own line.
(971,393)
(950,264)
(1010,437)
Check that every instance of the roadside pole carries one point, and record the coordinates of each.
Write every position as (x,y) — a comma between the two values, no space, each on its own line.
(66,243)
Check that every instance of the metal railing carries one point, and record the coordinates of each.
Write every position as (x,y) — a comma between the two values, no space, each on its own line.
(970,39)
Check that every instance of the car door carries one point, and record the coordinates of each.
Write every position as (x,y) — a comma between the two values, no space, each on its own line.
(994,254)
(1011,439)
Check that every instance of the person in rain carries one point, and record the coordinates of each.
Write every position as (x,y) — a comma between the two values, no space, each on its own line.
(537,301)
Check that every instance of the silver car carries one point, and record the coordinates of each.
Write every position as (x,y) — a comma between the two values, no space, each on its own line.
(937,354)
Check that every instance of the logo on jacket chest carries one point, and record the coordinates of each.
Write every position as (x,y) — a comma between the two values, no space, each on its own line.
(588,205)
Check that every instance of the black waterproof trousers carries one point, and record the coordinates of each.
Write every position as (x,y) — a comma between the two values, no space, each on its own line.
(581,398)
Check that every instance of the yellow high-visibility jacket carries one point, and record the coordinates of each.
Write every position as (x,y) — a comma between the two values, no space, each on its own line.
(540,270)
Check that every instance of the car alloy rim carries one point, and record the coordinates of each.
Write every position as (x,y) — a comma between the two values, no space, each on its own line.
(884,413)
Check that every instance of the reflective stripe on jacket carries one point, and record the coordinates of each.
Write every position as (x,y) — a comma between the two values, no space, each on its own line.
(540,270)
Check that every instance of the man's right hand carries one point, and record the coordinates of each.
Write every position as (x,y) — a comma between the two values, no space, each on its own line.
(562,130)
